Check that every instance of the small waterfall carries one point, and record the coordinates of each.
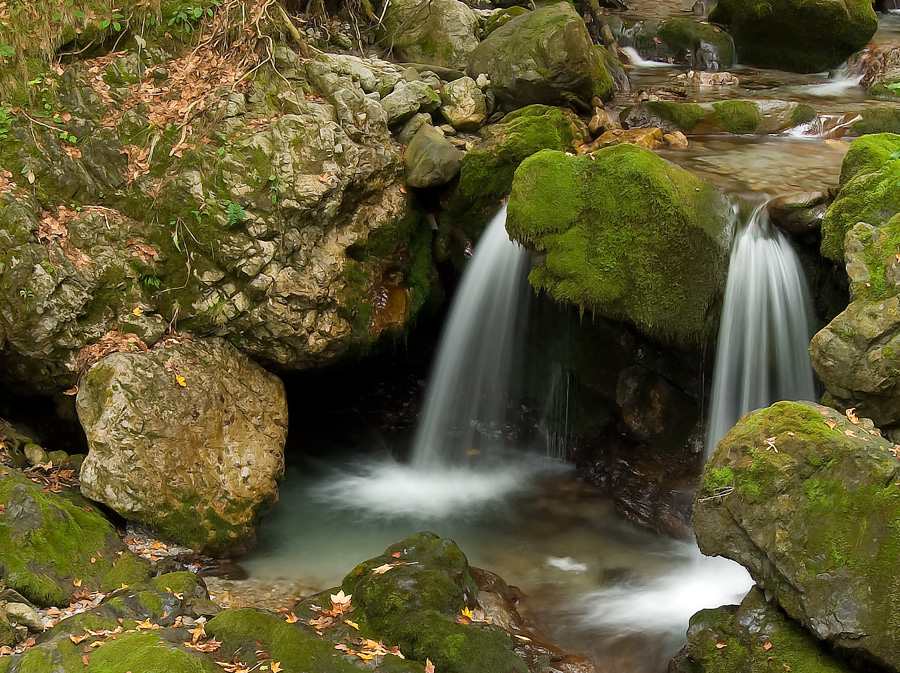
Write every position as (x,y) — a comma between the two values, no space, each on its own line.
(764,334)
(465,406)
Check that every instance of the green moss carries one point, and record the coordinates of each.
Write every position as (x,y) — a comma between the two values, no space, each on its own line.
(718,478)
(739,116)
(298,648)
(184,583)
(47,550)
(621,233)
(501,17)
(877,120)
(803,114)
(684,115)
(145,653)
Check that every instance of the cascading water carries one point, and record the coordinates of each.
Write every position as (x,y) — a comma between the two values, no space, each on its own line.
(467,397)
(765,329)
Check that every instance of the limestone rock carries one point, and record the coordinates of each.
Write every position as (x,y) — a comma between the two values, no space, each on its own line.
(407,99)
(545,56)
(24,614)
(47,541)
(807,500)
(753,637)
(626,235)
(463,104)
(436,32)
(797,35)
(188,438)
(431,159)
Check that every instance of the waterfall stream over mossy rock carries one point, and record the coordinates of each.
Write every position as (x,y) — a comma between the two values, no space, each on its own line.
(231,234)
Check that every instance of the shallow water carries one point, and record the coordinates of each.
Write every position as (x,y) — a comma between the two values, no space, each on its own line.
(592,581)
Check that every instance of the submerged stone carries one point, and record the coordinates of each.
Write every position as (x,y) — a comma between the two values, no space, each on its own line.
(678,40)
(626,235)
(808,500)
(188,438)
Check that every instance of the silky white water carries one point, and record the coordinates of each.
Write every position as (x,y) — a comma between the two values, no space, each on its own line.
(466,401)
(764,334)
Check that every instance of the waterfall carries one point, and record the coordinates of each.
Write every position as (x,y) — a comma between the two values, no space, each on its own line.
(466,403)
(764,334)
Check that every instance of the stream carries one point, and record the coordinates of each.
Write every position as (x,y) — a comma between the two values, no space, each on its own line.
(593,582)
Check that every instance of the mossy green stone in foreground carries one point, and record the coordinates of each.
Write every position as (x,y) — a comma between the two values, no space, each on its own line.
(796,35)
(870,176)
(416,605)
(47,542)
(684,115)
(738,116)
(627,235)
(813,512)
(755,637)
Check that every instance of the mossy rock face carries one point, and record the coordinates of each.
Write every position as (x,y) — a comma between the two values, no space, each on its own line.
(48,542)
(416,604)
(436,32)
(545,56)
(809,503)
(486,172)
(627,235)
(188,438)
(797,35)
(687,42)
(857,355)
(869,175)
(282,236)
(877,120)
(754,637)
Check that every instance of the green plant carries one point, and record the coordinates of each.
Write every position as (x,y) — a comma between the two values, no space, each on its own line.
(187,16)
(5,122)
(27,296)
(152,281)
(275,187)
(235,212)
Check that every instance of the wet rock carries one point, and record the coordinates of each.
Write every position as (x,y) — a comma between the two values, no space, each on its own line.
(709,78)
(676,140)
(431,159)
(463,104)
(799,214)
(545,56)
(636,256)
(797,36)
(753,637)
(410,128)
(24,614)
(678,40)
(602,120)
(733,116)
(486,172)
(649,138)
(48,541)
(856,354)
(866,194)
(436,32)
(784,495)
(188,438)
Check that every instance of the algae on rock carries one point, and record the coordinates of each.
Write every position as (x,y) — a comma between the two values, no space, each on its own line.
(626,235)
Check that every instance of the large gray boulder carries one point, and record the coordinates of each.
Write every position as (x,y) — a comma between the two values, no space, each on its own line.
(797,35)
(188,438)
(268,223)
(431,159)
(545,56)
(808,500)
(436,32)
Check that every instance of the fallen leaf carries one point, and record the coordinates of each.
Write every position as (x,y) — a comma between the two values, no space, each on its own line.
(396,554)
(353,624)
(767,646)
(429,667)
(179,379)
(721,645)
(381,570)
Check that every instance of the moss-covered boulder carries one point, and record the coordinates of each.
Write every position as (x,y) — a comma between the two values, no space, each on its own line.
(627,235)
(678,40)
(732,116)
(188,438)
(857,355)
(418,602)
(545,56)
(52,546)
(486,172)
(809,502)
(753,637)
(869,175)
(436,32)
(797,35)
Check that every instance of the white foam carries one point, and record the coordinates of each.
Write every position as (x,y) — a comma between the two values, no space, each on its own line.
(639,62)
(566,563)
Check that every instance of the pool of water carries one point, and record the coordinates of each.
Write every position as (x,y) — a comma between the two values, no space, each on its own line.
(595,583)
